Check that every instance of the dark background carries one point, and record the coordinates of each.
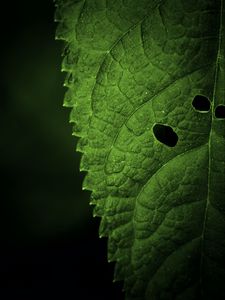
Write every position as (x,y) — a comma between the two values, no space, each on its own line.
(49,239)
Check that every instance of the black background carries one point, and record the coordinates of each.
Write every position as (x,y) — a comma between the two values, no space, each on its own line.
(49,239)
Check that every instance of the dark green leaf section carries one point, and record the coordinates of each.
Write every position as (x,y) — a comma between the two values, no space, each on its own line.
(132,65)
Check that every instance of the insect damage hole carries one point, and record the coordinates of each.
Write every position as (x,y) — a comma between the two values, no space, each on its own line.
(201,103)
(220,112)
(165,135)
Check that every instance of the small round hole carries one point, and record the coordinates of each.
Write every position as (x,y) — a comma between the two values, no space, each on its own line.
(220,112)
(201,103)
(165,135)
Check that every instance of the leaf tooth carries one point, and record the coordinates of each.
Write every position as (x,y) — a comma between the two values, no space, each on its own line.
(88,183)
(114,256)
(78,113)
(84,165)
(77,128)
(98,211)
(70,57)
(61,32)
(69,61)
(69,80)
(99,197)
(99,207)
(119,251)
(122,265)
(66,14)
(103,228)
(80,147)
(69,100)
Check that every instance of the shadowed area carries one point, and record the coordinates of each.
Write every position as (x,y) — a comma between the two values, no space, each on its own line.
(49,240)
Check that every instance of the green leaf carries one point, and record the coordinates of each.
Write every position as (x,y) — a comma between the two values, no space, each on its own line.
(145,79)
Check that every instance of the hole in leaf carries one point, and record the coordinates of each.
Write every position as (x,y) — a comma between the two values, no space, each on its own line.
(220,112)
(165,135)
(201,103)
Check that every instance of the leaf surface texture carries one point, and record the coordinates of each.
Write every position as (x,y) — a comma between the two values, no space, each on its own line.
(132,66)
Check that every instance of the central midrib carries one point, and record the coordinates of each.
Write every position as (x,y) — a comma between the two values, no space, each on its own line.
(209,145)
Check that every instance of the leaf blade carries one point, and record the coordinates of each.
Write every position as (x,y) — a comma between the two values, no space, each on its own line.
(144,69)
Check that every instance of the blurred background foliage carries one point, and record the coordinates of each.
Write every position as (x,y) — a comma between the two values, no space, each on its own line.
(39,151)
(49,237)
